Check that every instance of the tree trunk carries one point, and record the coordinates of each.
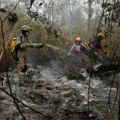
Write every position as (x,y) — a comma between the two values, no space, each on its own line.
(89,17)
(119,96)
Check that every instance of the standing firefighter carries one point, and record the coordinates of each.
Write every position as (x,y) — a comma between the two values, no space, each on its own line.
(22,43)
(76,50)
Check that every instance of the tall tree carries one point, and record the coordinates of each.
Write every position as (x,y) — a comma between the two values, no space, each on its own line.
(89,16)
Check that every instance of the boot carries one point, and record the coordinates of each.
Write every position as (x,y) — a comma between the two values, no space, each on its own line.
(21,78)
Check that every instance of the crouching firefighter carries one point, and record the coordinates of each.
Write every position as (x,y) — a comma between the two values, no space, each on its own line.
(95,46)
(22,43)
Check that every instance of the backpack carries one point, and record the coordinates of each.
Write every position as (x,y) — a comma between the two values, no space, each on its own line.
(13,49)
(13,44)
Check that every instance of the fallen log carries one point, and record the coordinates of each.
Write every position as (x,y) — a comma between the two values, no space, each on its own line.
(104,68)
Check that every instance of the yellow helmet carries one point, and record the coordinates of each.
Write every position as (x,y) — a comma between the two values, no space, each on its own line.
(26,28)
(101,35)
(78,39)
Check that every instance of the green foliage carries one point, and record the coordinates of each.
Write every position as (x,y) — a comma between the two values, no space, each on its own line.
(39,34)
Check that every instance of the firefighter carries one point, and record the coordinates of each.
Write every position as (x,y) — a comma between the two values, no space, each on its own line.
(22,43)
(95,46)
(76,50)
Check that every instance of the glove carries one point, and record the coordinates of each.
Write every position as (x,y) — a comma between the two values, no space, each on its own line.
(25,45)
(36,45)
(42,45)
(69,54)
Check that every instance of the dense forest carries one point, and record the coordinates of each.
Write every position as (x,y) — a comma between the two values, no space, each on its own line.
(59,60)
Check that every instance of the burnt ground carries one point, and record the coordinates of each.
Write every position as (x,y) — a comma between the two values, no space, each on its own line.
(53,97)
